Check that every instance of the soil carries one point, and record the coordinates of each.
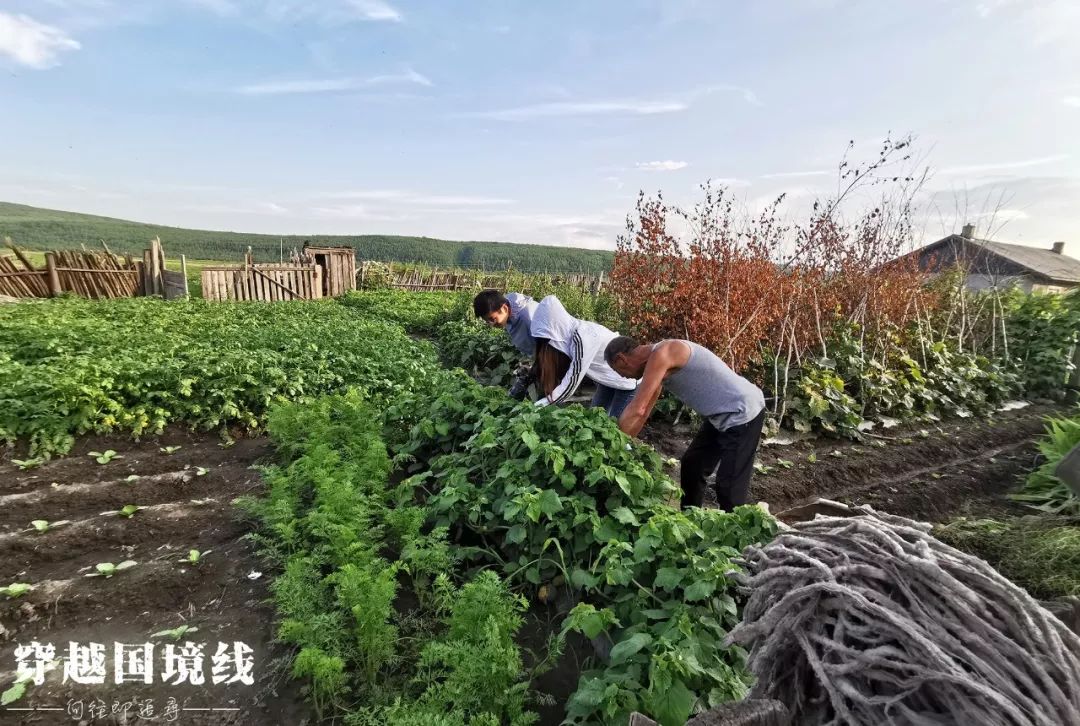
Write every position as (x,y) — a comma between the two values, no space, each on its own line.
(182,510)
(929,472)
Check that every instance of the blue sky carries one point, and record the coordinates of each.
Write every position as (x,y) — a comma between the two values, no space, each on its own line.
(531,121)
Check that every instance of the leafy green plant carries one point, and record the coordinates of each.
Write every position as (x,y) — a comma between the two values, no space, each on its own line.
(484,352)
(132,478)
(44,525)
(1042,330)
(17,689)
(1043,490)
(128,510)
(175,633)
(108,569)
(16,589)
(104,457)
(31,463)
(169,449)
(821,401)
(195,557)
(75,366)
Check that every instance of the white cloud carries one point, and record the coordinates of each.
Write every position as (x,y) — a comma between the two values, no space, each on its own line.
(31,43)
(375,10)
(1073,101)
(796,174)
(1004,166)
(331,85)
(662,165)
(582,108)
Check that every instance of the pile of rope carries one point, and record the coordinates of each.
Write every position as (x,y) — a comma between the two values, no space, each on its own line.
(870,620)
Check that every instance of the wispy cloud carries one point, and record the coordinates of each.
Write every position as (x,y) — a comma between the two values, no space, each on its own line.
(406,198)
(33,44)
(246,207)
(796,174)
(331,85)
(330,12)
(662,165)
(729,181)
(1001,216)
(1004,166)
(375,10)
(747,94)
(614,107)
(1073,101)
(581,108)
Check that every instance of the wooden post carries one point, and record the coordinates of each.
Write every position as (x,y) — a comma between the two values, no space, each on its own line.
(1072,391)
(19,254)
(52,275)
(183,271)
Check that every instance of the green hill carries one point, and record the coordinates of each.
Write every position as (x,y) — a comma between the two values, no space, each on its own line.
(36,228)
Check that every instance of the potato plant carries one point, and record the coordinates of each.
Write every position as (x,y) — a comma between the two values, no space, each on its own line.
(73,366)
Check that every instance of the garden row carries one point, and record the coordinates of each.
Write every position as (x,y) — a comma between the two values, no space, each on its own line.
(70,367)
(403,576)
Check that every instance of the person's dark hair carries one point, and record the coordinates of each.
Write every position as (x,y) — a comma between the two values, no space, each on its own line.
(487,302)
(622,344)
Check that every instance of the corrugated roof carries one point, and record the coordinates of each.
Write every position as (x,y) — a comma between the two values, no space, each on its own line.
(1045,262)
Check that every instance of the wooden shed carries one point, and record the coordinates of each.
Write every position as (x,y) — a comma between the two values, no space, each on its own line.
(338,268)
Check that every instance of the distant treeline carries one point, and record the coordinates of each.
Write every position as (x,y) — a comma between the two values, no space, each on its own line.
(36,228)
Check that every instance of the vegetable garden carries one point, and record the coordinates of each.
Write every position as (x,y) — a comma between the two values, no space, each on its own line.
(345,485)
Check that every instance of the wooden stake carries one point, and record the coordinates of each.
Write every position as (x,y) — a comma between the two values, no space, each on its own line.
(53,275)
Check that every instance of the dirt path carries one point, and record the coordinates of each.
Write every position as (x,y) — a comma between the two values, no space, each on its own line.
(928,472)
(181,510)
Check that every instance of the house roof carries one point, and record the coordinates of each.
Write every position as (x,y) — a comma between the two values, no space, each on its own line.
(1043,262)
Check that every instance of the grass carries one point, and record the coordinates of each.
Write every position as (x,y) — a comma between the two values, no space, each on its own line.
(1040,553)
(37,228)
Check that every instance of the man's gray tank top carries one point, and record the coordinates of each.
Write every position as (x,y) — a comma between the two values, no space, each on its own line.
(709,386)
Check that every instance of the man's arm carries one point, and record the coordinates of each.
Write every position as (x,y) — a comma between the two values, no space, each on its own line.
(667,357)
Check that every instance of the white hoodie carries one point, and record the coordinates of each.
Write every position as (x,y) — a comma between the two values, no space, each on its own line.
(580,340)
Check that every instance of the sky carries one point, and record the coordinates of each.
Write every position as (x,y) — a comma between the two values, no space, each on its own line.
(532,122)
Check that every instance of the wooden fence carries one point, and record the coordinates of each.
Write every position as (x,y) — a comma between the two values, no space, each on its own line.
(91,274)
(269,282)
(420,278)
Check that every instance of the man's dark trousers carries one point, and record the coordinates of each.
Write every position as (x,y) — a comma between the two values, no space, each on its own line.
(730,453)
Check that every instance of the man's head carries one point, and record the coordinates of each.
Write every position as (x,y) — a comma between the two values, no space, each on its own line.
(627,357)
(492,307)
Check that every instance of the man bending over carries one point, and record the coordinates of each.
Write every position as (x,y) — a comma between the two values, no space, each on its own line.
(732,407)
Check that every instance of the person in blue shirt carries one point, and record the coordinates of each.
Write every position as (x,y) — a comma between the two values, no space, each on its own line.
(513,313)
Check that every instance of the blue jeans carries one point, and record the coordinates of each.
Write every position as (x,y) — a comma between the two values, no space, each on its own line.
(612,400)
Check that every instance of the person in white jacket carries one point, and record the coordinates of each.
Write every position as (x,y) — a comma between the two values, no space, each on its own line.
(583,342)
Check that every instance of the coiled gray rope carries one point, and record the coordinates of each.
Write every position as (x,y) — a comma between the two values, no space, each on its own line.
(870,620)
